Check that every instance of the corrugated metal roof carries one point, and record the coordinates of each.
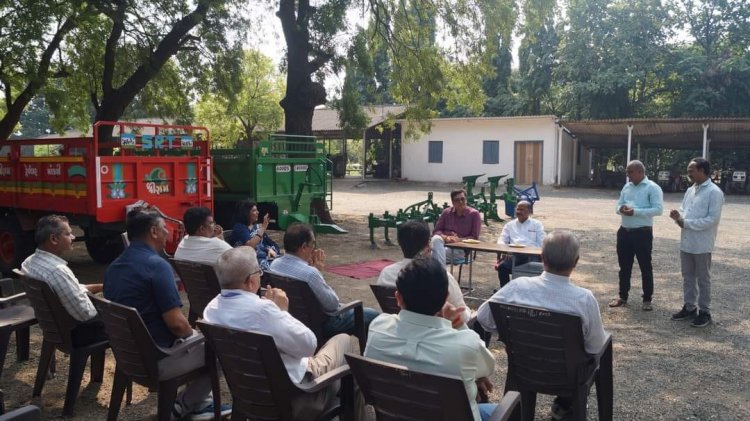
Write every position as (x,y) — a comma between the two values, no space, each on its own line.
(326,120)
(674,133)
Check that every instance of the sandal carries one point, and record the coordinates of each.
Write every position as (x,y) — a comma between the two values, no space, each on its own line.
(617,302)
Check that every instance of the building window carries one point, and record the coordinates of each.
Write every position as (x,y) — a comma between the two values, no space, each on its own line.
(491,152)
(435,152)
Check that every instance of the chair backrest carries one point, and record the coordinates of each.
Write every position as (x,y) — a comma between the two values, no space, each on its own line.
(386,297)
(545,349)
(54,320)
(303,304)
(24,413)
(254,371)
(200,282)
(398,393)
(135,351)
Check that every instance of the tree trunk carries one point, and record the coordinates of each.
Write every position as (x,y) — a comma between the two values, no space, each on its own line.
(116,100)
(302,94)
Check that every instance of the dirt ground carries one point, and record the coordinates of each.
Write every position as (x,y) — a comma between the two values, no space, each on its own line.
(663,370)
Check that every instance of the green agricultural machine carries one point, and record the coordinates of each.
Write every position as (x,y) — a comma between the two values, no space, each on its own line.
(288,176)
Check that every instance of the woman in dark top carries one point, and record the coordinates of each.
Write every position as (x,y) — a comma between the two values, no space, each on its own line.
(248,232)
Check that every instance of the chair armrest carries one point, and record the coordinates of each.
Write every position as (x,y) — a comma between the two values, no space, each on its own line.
(347,306)
(607,345)
(509,408)
(325,380)
(188,343)
(12,299)
(24,413)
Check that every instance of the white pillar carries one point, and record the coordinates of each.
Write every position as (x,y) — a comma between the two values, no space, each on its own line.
(559,155)
(591,162)
(630,141)
(390,155)
(575,155)
(638,151)
(364,152)
(705,141)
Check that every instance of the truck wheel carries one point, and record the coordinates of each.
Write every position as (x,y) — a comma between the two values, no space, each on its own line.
(104,249)
(15,244)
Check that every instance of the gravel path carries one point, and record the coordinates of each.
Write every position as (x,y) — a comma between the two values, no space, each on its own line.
(664,370)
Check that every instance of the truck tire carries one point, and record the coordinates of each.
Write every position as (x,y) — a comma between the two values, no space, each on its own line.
(104,249)
(15,244)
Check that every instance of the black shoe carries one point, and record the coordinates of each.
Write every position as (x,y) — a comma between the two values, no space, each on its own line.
(703,319)
(685,314)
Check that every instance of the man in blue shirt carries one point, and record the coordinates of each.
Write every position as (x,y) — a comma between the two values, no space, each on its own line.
(640,200)
(142,279)
(698,218)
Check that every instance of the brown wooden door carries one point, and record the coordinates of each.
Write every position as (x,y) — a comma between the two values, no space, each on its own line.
(528,162)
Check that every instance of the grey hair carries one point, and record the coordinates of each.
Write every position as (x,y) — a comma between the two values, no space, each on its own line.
(638,165)
(234,265)
(48,226)
(560,251)
(524,202)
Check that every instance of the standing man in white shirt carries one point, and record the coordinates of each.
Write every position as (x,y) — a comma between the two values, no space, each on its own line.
(699,220)
(554,291)
(203,242)
(523,230)
(640,200)
(238,306)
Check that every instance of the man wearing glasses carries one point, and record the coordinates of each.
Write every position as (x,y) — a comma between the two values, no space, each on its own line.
(305,262)
(239,307)
(203,242)
(456,223)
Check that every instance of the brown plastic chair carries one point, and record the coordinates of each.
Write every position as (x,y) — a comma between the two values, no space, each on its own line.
(259,381)
(386,297)
(398,393)
(57,326)
(138,356)
(24,413)
(546,355)
(305,307)
(14,317)
(201,285)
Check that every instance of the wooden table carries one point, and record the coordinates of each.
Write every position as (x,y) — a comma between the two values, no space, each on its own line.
(471,249)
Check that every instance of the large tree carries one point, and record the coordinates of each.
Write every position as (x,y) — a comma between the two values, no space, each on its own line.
(425,70)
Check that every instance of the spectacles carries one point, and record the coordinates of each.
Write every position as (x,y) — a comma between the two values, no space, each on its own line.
(258,272)
(459,199)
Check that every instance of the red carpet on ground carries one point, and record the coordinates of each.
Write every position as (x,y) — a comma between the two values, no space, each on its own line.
(361,270)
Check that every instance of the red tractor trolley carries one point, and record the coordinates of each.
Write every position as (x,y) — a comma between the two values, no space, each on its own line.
(92,181)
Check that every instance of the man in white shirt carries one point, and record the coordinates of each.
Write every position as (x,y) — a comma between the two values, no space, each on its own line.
(699,220)
(414,240)
(54,237)
(523,230)
(203,242)
(554,291)
(239,306)
(428,336)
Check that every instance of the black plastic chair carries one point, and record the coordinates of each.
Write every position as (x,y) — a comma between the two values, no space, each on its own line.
(305,307)
(14,317)
(138,357)
(398,393)
(546,355)
(57,327)
(386,297)
(201,285)
(260,384)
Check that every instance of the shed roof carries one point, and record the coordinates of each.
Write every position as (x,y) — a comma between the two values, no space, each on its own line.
(326,120)
(673,133)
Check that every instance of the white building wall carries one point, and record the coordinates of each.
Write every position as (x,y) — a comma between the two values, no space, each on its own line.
(462,148)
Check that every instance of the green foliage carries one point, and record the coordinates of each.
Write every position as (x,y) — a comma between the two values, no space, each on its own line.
(248,107)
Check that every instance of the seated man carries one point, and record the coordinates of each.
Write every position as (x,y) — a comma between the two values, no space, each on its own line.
(239,306)
(523,230)
(305,262)
(414,240)
(554,291)
(204,243)
(455,224)
(53,238)
(422,337)
(142,279)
